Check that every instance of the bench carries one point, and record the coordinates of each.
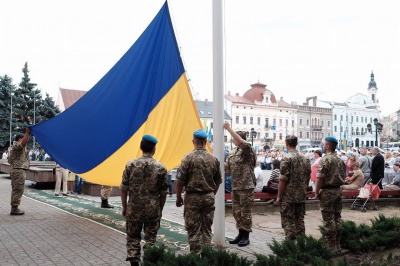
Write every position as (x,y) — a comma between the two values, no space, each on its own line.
(267,196)
(384,193)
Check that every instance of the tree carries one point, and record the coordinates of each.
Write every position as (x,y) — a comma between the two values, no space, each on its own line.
(6,89)
(28,106)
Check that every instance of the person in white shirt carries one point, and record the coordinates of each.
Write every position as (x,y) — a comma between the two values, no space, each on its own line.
(5,155)
(259,178)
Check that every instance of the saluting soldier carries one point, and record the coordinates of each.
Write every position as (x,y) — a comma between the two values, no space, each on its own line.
(330,176)
(144,181)
(241,166)
(200,175)
(295,172)
(18,160)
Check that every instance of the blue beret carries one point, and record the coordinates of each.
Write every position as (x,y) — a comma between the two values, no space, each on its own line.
(331,139)
(150,138)
(200,134)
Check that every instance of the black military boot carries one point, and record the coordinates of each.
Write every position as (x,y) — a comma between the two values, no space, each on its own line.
(245,239)
(134,263)
(104,204)
(16,211)
(238,238)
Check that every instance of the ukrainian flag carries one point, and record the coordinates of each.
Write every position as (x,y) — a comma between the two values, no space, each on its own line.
(145,92)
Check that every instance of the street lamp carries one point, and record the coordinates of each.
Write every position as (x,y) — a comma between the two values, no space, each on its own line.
(378,128)
(34,117)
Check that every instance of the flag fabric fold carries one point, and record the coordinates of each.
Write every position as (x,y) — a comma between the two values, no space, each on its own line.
(145,92)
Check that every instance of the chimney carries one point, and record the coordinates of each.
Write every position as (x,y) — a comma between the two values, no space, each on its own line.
(237,94)
(305,104)
(281,98)
(206,102)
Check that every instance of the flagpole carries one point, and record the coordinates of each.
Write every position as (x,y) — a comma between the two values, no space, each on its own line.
(218,116)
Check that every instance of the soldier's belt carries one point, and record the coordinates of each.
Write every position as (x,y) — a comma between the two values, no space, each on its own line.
(198,192)
(20,168)
(329,187)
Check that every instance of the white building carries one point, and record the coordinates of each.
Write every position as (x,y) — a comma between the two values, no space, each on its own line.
(351,118)
(259,111)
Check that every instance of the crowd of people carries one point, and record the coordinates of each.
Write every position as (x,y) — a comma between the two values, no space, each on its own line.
(144,186)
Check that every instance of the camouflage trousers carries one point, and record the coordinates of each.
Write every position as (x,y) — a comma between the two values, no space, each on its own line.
(242,202)
(133,237)
(292,219)
(331,209)
(17,186)
(199,216)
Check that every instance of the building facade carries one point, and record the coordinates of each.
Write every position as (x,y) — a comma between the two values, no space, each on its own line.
(353,118)
(267,120)
(314,120)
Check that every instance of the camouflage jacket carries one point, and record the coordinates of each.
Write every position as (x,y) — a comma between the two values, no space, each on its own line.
(199,171)
(18,158)
(145,179)
(332,170)
(241,167)
(295,170)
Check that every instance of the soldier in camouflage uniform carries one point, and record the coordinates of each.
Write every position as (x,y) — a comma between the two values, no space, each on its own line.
(331,174)
(19,162)
(145,181)
(241,166)
(200,175)
(293,182)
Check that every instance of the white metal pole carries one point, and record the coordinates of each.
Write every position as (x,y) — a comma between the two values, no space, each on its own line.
(10,116)
(34,117)
(218,116)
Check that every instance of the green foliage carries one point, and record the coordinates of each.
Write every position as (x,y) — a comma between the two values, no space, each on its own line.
(28,107)
(384,233)
(161,256)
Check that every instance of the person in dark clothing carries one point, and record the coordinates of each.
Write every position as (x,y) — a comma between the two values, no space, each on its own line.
(377,167)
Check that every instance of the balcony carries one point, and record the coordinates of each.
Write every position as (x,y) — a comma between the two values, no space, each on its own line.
(316,127)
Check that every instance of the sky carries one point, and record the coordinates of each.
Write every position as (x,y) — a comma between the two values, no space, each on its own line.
(297,48)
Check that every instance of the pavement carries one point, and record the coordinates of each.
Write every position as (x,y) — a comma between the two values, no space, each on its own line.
(46,235)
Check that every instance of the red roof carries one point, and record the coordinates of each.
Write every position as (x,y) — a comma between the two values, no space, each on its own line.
(256,93)
(69,97)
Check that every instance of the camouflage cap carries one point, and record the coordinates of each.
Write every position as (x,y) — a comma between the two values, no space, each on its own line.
(242,134)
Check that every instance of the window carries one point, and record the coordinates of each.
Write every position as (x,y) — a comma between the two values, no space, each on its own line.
(287,122)
(362,119)
(251,120)
(341,129)
(266,122)
(308,122)
(292,123)
(341,117)
(267,135)
(323,135)
(280,122)
(336,129)
(280,136)
(322,123)
(225,138)
(335,117)
(356,119)
(308,135)
(329,123)
(301,122)
(301,134)
(237,119)
(370,120)
(258,120)
(274,136)
(351,118)
(266,99)
(244,120)
(212,125)
(274,122)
